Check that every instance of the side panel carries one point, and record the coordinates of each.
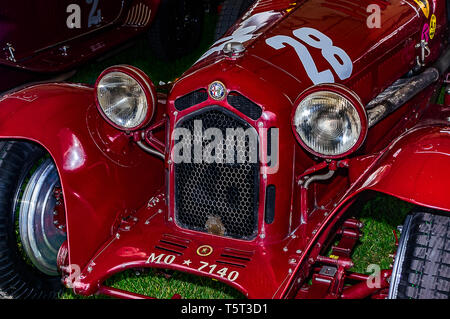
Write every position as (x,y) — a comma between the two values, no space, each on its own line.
(99,182)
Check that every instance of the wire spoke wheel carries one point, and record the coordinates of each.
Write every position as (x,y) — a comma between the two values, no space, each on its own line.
(39,235)
(29,234)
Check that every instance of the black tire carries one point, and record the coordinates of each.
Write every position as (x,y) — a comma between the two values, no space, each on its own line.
(231,11)
(18,278)
(177,29)
(422,265)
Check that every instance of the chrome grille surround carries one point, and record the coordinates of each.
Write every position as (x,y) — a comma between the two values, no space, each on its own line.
(219,198)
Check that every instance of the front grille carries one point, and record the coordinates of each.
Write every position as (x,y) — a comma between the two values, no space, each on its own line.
(218,198)
(191,99)
(244,105)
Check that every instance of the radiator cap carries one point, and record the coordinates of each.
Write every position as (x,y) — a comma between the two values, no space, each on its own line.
(233,49)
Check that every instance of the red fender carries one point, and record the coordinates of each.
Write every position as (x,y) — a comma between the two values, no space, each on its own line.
(416,166)
(101,180)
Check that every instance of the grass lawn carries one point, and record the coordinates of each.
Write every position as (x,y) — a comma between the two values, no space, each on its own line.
(381,215)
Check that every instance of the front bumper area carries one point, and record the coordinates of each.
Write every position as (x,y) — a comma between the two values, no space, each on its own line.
(148,239)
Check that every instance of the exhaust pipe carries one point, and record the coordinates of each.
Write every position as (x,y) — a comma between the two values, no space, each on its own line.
(404,90)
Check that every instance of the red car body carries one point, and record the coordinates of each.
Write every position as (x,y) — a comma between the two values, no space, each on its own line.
(119,201)
(40,39)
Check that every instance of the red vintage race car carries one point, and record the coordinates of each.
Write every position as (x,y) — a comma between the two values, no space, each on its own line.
(249,170)
(39,40)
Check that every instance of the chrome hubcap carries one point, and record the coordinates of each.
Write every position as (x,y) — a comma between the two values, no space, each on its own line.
(40,237)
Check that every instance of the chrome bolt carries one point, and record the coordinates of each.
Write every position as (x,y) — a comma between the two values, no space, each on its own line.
(262,236)
(117,235)
(89,269)
(285,249)
(298,251)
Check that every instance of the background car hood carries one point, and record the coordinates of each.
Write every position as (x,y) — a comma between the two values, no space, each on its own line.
(32,26)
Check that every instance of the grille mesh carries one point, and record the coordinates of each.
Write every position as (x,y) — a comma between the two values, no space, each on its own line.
(244,105)
(219,198)
(191,99)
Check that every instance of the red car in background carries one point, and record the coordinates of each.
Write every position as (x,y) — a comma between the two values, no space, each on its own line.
(38,41)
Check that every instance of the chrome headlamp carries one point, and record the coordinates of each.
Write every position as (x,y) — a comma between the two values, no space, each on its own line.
(125,97)
(330,121)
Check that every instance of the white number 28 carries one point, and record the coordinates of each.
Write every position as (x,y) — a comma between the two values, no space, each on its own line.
(336,57)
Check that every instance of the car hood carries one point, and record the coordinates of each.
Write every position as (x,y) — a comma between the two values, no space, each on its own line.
(324,41)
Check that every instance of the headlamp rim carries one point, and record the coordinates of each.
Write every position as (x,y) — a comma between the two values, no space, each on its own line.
(346,93)
(146,85)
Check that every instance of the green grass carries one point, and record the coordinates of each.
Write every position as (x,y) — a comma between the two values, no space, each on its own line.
(164,284)
(381,215)
(441,97)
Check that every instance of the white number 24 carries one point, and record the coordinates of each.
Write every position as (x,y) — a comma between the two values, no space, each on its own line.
(314,38)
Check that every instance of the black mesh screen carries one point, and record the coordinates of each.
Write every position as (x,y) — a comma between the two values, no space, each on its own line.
(191,99)
(244,105)
(219,198)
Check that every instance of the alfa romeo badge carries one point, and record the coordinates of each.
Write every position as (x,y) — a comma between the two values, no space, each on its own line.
(217,91)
